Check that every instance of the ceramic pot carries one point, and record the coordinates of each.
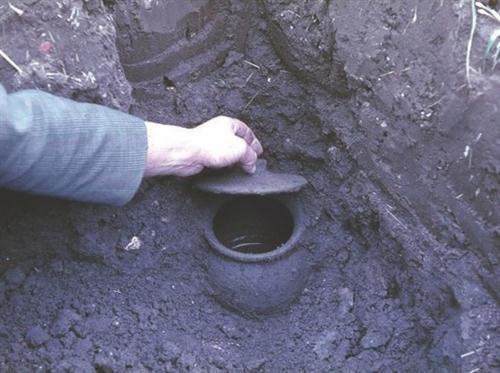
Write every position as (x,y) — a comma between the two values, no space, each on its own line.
(255,263)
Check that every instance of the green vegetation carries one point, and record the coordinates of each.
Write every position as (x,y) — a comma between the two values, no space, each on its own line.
(493,46)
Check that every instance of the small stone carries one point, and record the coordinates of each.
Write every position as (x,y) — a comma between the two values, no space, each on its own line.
(45,47)
(36,336)
(346,301)
(134,244)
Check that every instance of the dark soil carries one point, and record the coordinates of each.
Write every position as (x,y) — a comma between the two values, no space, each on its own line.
(369,102)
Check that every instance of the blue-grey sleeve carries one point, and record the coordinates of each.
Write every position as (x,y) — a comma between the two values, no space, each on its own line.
(57,147)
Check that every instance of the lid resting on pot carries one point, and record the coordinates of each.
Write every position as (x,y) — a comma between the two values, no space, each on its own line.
(260,183)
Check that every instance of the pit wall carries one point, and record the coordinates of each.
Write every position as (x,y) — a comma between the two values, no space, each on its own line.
(47,41)
(404,68)
(410,121)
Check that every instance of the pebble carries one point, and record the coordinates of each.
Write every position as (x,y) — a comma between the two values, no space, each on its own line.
(134,244)
(346,301)
(45,47)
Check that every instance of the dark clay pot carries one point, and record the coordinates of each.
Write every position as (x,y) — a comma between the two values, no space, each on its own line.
(255,263)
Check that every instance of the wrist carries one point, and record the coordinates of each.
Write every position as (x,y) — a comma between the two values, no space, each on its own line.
(171,151)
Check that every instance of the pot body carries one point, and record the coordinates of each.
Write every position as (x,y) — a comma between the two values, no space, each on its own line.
(258,283)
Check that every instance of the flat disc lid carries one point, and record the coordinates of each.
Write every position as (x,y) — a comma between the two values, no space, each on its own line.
(262,182)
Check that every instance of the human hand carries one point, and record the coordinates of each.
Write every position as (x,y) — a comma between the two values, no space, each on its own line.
(217,143)
(224,141)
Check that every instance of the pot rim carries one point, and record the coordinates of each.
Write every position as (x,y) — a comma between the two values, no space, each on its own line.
(276,254)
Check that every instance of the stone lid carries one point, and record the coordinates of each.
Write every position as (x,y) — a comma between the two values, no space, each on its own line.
(262,182)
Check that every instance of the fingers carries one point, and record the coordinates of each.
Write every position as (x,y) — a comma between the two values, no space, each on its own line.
(248,160)
(256,146)
(242,130)
(223,149)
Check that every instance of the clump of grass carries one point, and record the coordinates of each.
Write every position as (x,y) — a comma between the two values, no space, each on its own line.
(493,46)
(469,44)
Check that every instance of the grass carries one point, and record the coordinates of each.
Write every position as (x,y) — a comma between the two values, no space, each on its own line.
(493,45)
(469,44)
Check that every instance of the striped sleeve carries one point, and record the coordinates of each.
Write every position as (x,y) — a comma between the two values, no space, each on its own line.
(57,147)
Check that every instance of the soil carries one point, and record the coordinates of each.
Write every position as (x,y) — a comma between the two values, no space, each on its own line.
(370,103)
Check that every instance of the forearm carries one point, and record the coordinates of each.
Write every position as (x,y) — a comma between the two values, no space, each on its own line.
(57,147)
(53,146)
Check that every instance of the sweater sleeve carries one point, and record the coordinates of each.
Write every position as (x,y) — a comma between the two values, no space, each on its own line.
(57,147)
